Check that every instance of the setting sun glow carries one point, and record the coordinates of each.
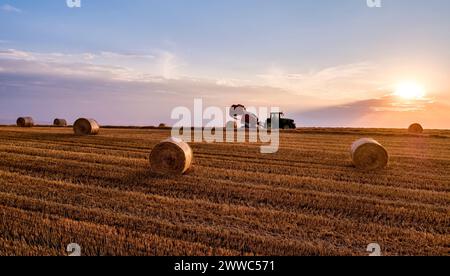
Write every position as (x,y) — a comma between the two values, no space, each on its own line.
(410,91)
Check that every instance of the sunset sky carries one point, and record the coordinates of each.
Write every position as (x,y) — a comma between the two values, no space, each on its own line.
(323,62)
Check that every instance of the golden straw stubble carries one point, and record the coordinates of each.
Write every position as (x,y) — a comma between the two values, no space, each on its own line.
(84,126)
(368,155)
(172,156)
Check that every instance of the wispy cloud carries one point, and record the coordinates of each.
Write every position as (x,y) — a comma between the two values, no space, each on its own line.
(339,83)
(115,94)
(331,85)
(125,66)
(388,111)
(144,87)
(14,54)
(10,8)
(169,64)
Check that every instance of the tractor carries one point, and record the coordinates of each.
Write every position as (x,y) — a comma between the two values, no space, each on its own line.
(250,120)
(284,123)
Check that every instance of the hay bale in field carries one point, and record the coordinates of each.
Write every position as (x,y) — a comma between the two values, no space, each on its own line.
(84,126)
(367,155)
(171,157)
(231,125)
(60,122)
(25,122)
(415,128)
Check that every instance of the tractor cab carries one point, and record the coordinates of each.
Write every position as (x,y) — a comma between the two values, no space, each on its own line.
(283,122)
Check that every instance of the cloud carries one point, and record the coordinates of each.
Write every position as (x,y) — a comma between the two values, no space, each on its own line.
(339,83)
(47,84)
(124,66)
(125,55)
(9,8)
(14,54)
(332,85)
(115,101)
(143,88)
(169,64)
(387,112)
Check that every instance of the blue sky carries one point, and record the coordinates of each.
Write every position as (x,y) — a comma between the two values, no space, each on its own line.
(143,57)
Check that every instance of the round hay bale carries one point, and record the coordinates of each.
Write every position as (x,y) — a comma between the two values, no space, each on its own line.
(232,125)
(415,128)
(368,155)
(84,126)
(171,157)
(60,122)
(25,122)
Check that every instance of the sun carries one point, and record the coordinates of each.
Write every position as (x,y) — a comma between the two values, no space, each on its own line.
(410,91)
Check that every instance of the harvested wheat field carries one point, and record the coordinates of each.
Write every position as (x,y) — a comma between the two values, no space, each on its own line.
(98,191)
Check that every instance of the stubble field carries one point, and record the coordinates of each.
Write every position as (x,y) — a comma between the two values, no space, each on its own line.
(307,199)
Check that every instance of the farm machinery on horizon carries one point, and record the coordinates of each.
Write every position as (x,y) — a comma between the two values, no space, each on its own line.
(250,121)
